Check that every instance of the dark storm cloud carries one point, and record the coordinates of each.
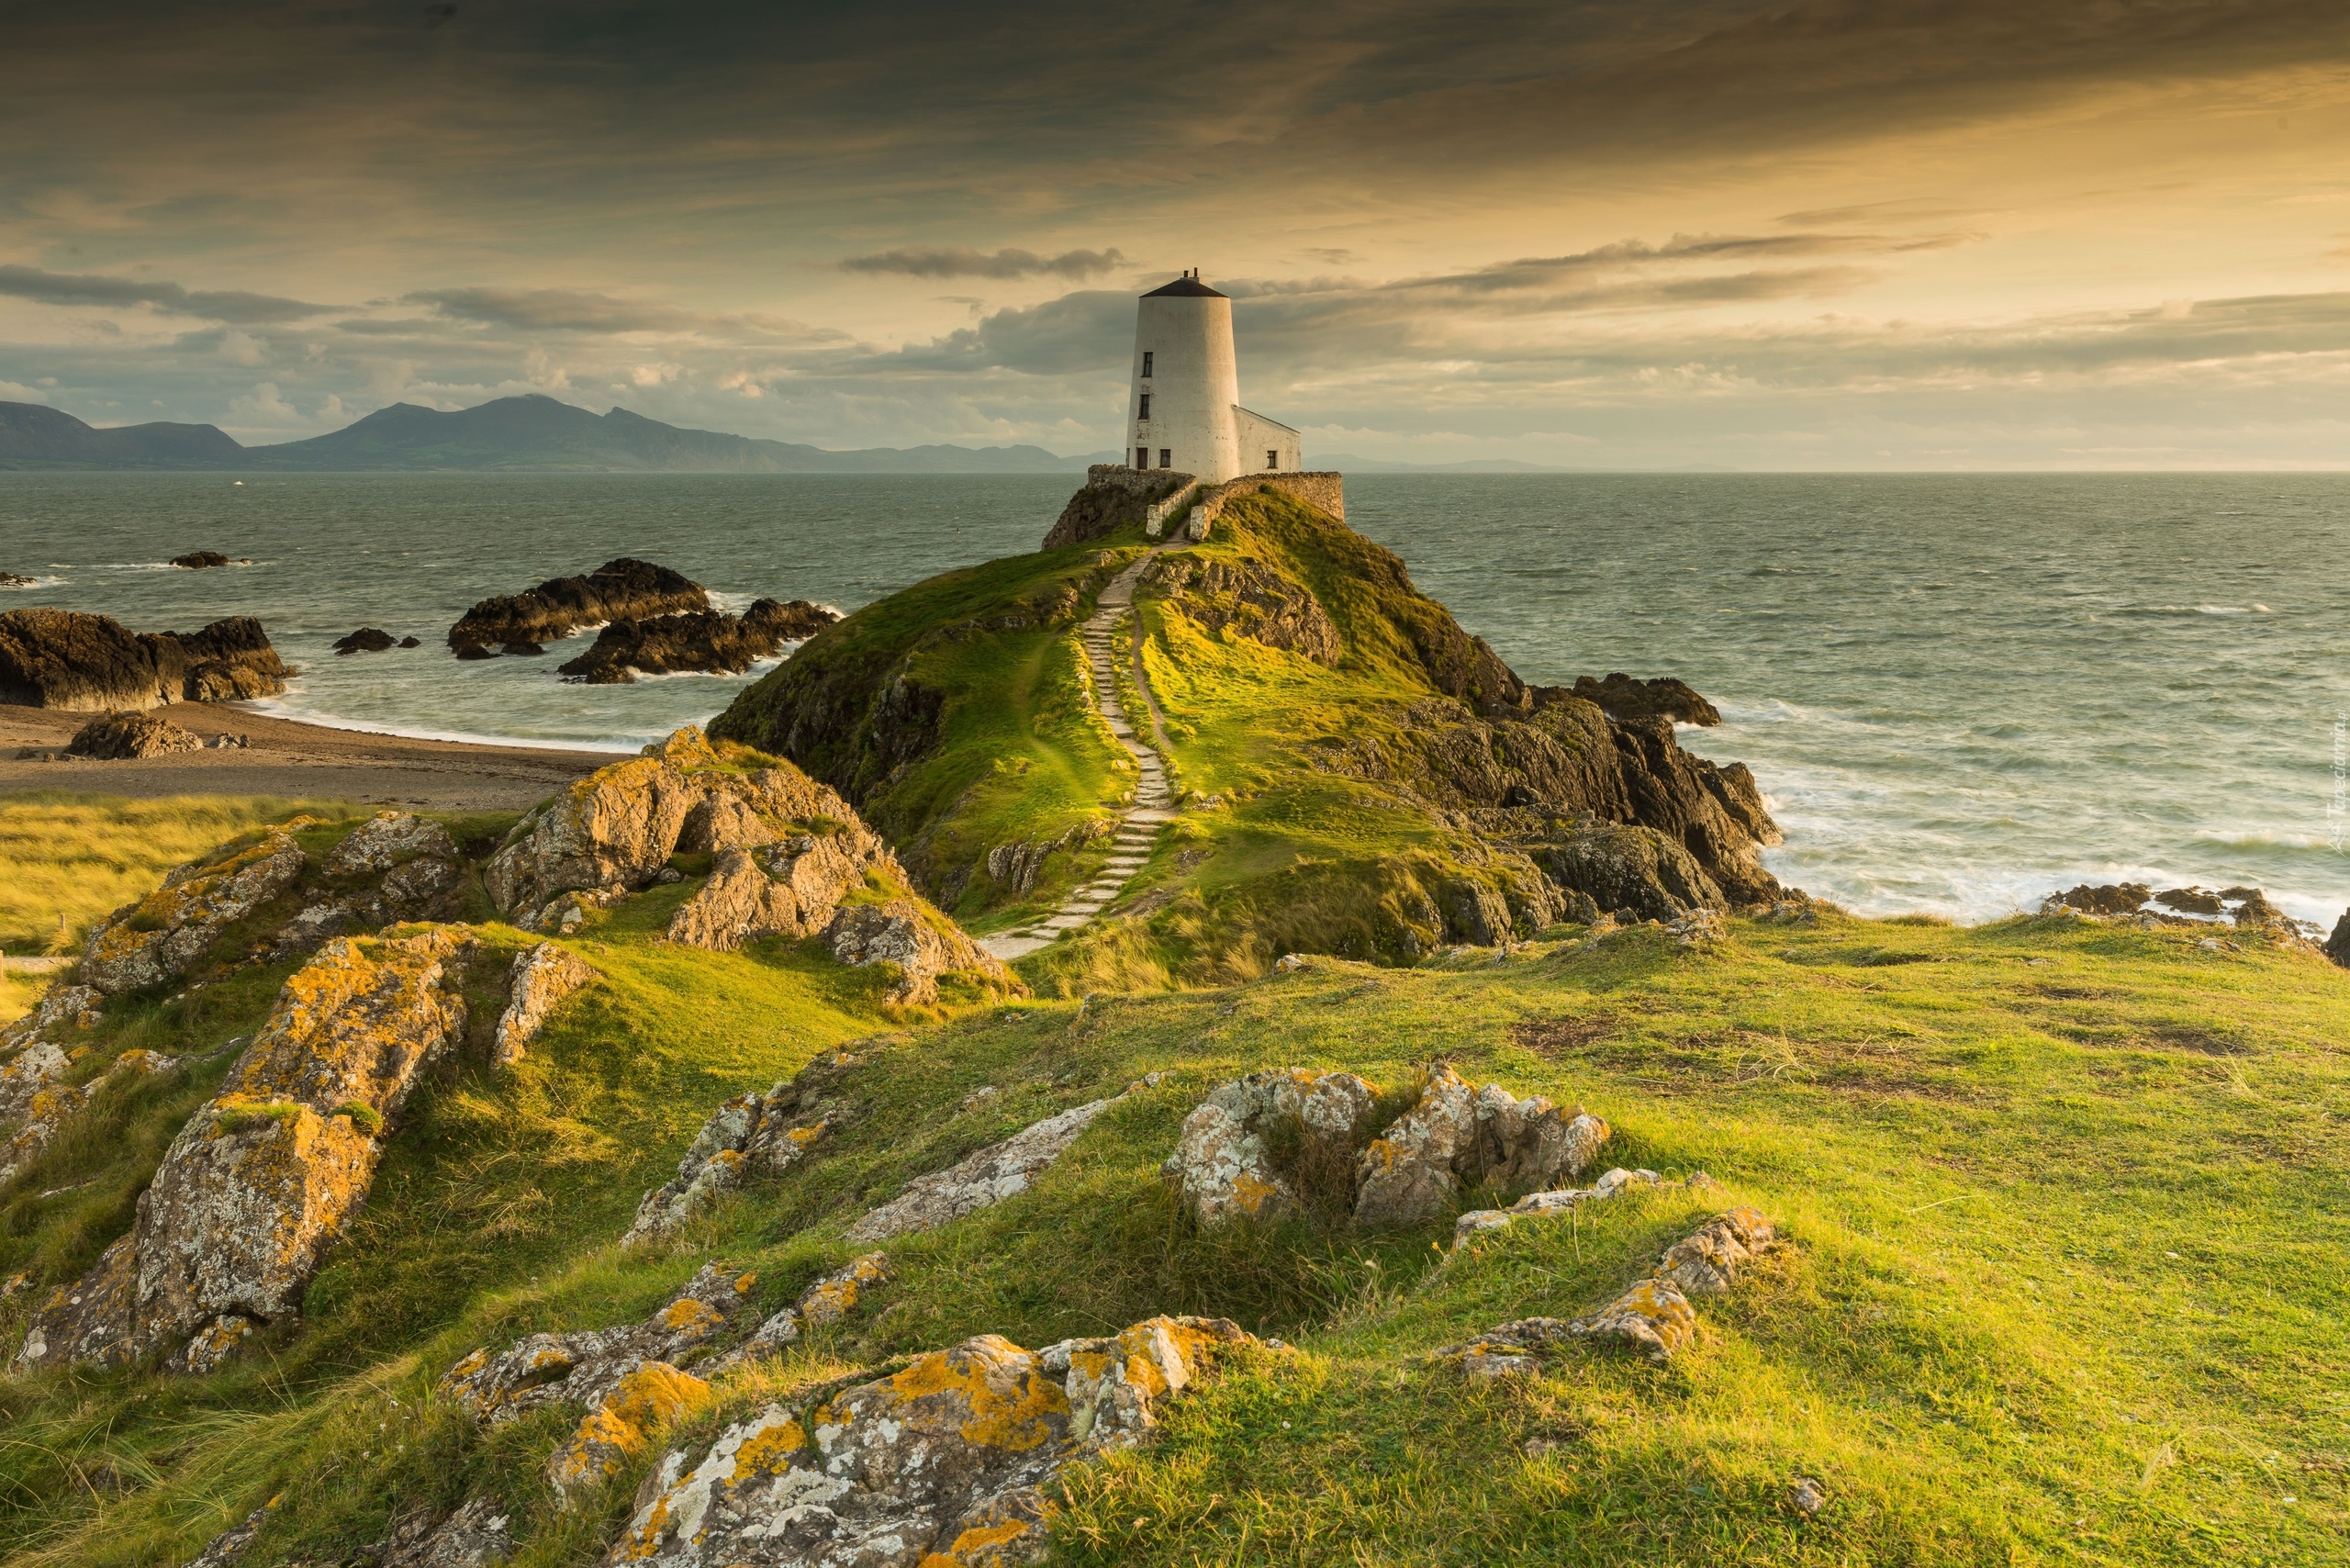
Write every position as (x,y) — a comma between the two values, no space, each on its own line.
(211,304)
(962,262)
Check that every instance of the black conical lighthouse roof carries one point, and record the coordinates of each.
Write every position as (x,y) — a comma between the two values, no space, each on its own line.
(1188,285)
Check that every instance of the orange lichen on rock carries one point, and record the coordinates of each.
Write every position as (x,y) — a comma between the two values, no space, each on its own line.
(945,1460)
(162,936)
(650,1397)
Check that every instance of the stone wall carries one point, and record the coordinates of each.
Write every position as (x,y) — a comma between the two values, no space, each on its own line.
(1326,491)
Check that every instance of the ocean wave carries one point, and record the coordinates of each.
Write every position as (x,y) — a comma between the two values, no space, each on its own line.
(297,713)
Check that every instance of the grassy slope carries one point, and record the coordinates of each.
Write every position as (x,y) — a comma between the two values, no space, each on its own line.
(2066,1203)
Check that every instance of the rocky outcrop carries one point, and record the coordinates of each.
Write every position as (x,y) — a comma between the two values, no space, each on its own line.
(540,979)
(1250,599)
(258,1182)
(16,580)
(740,903)
(708,641)
(1276,1144)
(822,1305)
(943,1462)
(749,1135)
(394,868)
(64,658)
(981,1181)
(921,942)
(366,640)
(615,830)
(2337,944)
(1112,500)
(624,589)
(62,1012)
(200,560)
(1620,696)
(1549,1205)
(2123,898)
(31,1123)
(118,737)
(165,934)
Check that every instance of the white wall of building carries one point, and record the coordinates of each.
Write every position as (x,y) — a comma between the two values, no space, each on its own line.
(1193,384)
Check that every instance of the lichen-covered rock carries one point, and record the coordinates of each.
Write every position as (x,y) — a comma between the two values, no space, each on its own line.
(479,1534)
(653,1396)
(584,1367)
(829,1300)
(1543,1205)
(981,1181)
(922,942)
(740,903)
(229,1545)
(619,825)
(1455,1138)
(1709,1261)
(26,1078)
(389,839)
(163,934)
(540,979)
(43,1113)
(750,1134)
(1652,1318)
(1224,1163)
(259,1181)
(939,1464)
(125,737)
(64,1010)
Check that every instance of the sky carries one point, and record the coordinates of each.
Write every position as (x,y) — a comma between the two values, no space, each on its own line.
(1757,234)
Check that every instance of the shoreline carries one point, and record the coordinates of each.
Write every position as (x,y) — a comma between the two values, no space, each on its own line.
(294,759)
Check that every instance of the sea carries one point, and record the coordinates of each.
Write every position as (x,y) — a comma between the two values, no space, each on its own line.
(1958,693)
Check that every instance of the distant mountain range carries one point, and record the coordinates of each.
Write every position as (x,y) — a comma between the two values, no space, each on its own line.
(529,433)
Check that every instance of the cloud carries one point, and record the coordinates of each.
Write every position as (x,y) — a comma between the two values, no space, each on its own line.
(213,305)
(580,310)
(962,262)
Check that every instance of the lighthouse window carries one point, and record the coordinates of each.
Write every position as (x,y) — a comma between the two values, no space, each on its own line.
(1145,361)
(1142,457)
(1166,458)
(1145,407)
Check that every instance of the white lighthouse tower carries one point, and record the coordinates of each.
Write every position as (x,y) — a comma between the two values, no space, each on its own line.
(1183,407)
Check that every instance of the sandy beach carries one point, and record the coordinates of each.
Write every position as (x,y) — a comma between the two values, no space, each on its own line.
(290,760)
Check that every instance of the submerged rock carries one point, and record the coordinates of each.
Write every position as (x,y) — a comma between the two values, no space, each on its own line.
(702,641)
(64,658)
(258,1182)
(981,1181)
(540,979)
(366,640)
(116,738)
(165,934)
(943,1462)
(617,590)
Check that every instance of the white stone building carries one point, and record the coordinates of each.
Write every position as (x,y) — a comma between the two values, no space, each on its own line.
(1184,407)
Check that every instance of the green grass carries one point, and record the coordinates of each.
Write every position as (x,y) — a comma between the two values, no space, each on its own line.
(2064,1206)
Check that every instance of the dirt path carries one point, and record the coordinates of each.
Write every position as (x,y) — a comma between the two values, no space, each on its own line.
(1153,808)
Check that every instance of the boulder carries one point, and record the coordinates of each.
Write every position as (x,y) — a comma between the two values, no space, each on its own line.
(2123,898)
(708,641)
(258,1182)
(200,560)
(116,738)
(165,934)
(981,1181)
(618,826)
(389,839)
(1621,696)
(1620,866)
(2337,946)
(1223,1165)
(26,1076)
(1455,1138)
(618,590)
(64,658)
(944,1461)
(653,1396)
(16,580)
(539,980)
(366,640)
(2190,900)
(919,941)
